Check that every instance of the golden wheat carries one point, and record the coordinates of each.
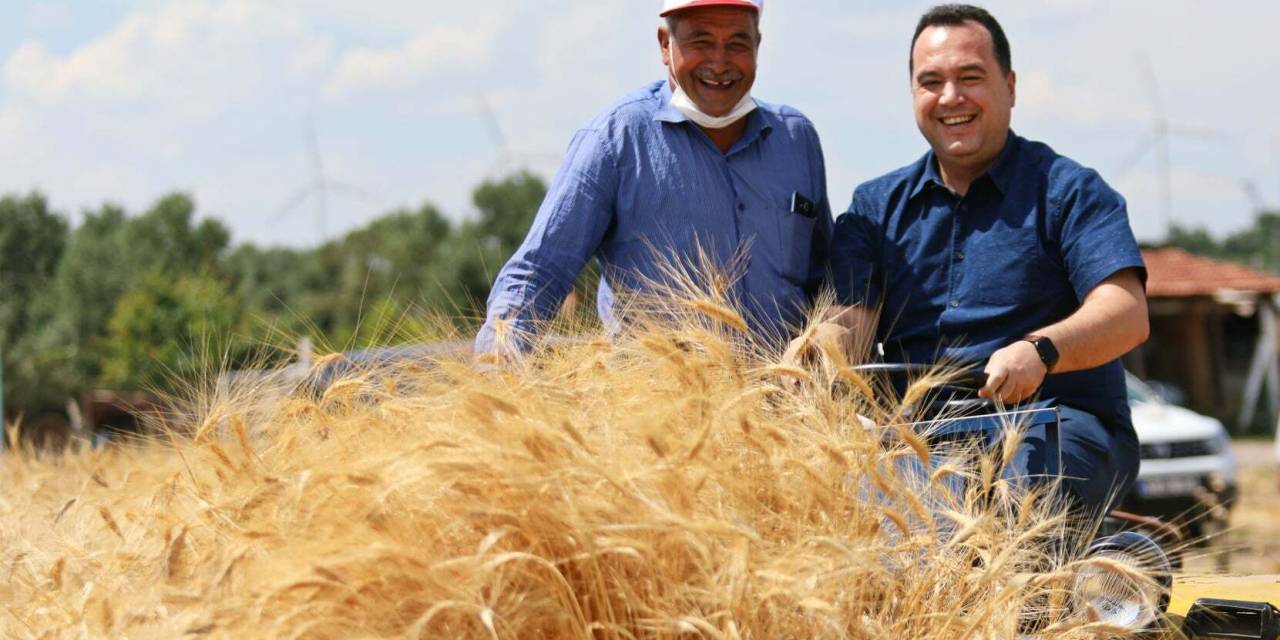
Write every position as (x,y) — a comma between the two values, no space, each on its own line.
(635,486)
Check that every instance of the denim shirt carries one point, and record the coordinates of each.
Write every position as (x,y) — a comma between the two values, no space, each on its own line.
(960,277)
(641,184)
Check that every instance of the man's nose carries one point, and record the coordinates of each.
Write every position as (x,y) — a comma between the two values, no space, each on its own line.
(719,58)
(950,94)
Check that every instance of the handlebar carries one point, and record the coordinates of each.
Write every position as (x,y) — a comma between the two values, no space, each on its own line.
(961,377)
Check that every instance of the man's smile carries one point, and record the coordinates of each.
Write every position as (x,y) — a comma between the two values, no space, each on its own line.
(954,121)
(718,82)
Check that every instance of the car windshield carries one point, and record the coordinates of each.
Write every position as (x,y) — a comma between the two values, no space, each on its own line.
(1138,391)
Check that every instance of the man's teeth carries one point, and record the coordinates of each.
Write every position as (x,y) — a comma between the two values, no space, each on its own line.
(717,84)
(957,120)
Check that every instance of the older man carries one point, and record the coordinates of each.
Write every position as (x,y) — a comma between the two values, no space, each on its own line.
(993,249)
(689,163)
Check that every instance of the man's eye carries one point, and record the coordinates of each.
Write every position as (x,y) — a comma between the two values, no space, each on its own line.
(971,79)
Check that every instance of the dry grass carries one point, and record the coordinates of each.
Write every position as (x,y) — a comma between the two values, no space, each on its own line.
(675,481)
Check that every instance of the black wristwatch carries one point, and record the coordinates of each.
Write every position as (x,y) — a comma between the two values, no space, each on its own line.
(1044,347)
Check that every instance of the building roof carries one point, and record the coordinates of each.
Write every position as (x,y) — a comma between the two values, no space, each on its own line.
(1174,273)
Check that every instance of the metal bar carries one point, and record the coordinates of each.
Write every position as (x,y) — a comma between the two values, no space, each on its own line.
(1264,356)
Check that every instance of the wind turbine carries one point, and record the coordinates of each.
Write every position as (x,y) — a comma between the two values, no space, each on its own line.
(319,187)
(507,159)
(1158,138)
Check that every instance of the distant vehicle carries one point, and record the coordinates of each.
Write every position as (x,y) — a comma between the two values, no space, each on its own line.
(1188,472)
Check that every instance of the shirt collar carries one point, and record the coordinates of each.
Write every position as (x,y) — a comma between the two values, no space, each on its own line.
(666,112)
(759,121)
(1001,172)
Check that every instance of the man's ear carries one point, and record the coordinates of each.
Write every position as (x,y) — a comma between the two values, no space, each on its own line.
(664,42)
(1013,85)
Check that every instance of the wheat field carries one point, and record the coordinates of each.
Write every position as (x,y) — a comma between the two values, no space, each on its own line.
(672,481)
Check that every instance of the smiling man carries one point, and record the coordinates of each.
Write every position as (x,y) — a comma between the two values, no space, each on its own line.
(687,163)
(992,249)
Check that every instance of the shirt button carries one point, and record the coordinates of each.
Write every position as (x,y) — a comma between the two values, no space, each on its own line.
(959,256)
(955,304)
(742,207)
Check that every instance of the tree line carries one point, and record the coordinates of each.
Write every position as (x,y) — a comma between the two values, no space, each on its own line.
(148,301)
(1257,246)
(151,300)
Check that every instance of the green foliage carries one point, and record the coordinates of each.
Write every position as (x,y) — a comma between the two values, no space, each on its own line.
(149,300)
(32,240)
(105,257)
(166,332)
(507,208)
(1258,247)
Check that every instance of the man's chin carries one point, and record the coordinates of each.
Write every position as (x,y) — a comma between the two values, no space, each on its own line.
(717,108)
(958,148)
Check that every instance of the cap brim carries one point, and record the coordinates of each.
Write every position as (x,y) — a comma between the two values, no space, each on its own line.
(710,3)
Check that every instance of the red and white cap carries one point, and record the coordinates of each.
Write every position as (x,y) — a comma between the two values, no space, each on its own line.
(671,6)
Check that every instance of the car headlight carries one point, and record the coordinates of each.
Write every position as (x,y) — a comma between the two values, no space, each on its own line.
(1128,584)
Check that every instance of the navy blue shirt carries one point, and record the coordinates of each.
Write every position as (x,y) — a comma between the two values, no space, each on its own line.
(960,277)
(641,184)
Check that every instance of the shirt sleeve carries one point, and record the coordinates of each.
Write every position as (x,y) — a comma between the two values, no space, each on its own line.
(1096,239)
(565,234)
(855,254)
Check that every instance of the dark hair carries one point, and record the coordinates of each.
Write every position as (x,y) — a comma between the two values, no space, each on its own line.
(951,15)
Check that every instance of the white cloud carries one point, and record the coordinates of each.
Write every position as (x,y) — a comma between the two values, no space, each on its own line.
(440,48)
(199,54)
(206,95)
(1046,94)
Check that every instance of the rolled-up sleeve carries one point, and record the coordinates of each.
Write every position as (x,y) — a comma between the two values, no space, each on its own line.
(1095,236)
(855,254)
(565,234)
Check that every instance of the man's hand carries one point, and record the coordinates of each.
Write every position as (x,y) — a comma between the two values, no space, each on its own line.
(1014,373)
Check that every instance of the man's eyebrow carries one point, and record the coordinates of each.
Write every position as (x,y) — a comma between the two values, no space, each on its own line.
(975,66)
(700,33)
(927,74)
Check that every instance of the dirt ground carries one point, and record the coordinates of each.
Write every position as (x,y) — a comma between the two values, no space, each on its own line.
(1252,543)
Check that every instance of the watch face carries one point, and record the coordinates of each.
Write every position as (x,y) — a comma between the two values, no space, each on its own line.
(1048,353)
(1044,347)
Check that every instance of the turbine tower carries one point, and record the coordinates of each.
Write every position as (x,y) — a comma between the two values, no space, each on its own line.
(319,187)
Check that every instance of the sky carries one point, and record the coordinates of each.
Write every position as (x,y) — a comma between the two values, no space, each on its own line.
(417,101)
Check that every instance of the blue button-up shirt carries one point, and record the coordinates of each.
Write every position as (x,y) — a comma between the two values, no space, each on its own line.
(641,184)
(960,277)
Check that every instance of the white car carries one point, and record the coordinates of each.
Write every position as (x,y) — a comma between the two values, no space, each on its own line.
(1188,472)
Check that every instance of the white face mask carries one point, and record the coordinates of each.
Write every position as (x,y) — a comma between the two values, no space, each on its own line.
(683,103)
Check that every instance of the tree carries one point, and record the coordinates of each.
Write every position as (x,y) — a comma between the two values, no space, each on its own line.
(506,210)
(167,332)
(32,240)
(1258,246)
(105,257)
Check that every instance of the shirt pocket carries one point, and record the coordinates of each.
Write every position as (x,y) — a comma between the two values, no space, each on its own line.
(1008,268)
(795,238)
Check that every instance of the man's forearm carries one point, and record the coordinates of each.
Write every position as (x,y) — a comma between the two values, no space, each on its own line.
(1111,322)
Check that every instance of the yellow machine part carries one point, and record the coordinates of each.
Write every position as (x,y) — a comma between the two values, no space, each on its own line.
(1189,588)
